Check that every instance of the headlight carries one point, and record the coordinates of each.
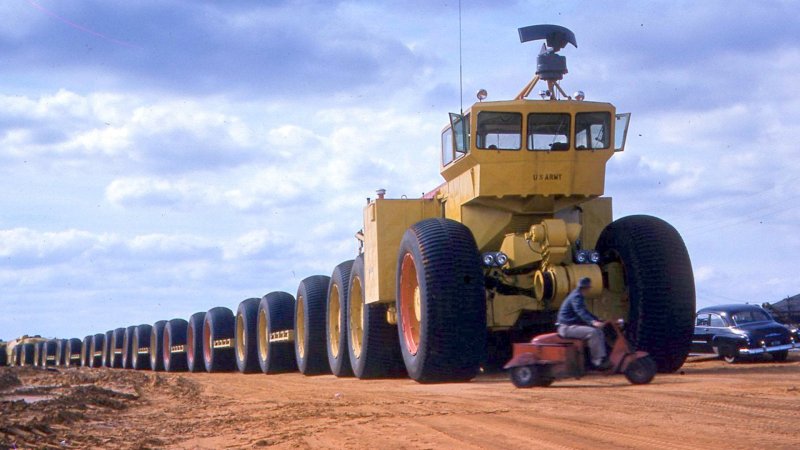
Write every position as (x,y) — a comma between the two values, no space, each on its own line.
(494,259)
(595,258)
(501,259)
(488,259)
(581,257)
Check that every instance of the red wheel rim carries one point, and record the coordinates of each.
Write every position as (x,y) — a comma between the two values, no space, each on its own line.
(410,304)
(207,344)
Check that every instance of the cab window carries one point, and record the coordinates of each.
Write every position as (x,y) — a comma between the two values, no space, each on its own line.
(716,321)
(499,130)
(548,131)
(592,130)
(447,146)
(702,320)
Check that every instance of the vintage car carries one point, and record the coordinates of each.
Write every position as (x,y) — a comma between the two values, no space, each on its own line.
(737,331)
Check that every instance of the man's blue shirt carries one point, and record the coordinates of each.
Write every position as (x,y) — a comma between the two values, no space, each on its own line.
(573,311)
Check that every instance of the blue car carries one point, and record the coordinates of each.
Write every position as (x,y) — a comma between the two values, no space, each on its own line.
(736,331)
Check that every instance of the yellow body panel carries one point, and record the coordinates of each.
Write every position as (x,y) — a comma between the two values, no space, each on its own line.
(385,221)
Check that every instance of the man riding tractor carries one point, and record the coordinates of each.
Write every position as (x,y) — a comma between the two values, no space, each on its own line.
(576,322)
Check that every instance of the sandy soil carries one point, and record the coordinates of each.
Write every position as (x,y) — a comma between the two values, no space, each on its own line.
(709,404)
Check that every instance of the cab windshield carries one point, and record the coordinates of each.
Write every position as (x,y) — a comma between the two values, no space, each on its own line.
(745,317)
(499,130)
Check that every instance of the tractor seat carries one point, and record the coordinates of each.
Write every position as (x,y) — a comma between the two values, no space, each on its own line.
(554,338)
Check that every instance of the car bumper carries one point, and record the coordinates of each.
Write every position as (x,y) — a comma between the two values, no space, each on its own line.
(768,349)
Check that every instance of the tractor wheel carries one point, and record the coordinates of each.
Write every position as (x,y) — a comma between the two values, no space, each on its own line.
(48,353)
(218,331)
(108,346)
(60,353)
(73,357)
(372,343)
(246,334)
(441,305)
(658,286)
(276,314)
(157,346)
(26,354)
(641,371)
(780,356)
(98,344)
(116,348)
(140,347)
(127,348)
(37,354)
(175,345)
(86,352)
(309,326)
(336,323)
(194,343)
(3,355)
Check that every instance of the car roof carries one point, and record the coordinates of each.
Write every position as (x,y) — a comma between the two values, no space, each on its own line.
(731,308)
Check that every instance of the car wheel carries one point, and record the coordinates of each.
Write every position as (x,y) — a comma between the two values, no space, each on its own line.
(780,356)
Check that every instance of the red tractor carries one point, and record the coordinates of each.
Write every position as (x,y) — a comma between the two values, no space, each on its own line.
(549,357)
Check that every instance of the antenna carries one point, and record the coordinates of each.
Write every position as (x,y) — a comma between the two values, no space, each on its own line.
(460,65)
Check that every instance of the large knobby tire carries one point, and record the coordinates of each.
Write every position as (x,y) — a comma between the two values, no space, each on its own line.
(157,346)
(218,336)
(37,354)
(108,344)
(61,352)
(659,284)
(3,355)
(441,306)
(48,353)
(73,356)
(336,323)
(98,344)
(194,343)
(86,351)
(371,341)
(275,350)
(26,354)
(140,347)
(309,326)
(175,345)
(116,349)
(246,336)
(127,347)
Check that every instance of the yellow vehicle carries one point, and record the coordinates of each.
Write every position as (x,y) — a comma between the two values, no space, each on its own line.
(444,283)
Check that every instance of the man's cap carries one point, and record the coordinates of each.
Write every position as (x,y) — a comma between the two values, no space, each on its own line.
(585,282)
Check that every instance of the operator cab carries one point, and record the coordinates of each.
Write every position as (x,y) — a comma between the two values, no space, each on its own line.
(502,125)
(556,147)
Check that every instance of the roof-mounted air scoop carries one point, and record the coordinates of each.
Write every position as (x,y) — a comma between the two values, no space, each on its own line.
(550,66)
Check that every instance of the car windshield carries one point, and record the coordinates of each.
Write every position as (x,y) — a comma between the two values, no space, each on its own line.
(744,317)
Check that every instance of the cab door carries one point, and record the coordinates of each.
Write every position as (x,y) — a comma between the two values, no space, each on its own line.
(701,340)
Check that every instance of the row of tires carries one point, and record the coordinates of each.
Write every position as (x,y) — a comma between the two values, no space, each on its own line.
(438,333)
(206,342)
(259,337)
(273,334)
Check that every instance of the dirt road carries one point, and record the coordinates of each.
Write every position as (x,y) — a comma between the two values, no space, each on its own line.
(710,405)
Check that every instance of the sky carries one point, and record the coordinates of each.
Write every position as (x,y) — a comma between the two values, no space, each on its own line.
(159,158)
